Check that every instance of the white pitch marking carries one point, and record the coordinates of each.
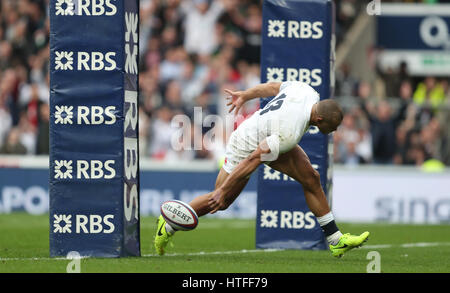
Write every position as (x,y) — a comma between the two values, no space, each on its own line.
(217,252)
(376,246)
(424,244)
(148,255)
(407,245)
(32,258)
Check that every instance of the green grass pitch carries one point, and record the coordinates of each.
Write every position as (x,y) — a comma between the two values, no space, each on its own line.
(228,246)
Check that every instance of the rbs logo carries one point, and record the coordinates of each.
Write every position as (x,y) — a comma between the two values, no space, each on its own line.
(88,61)
(287,219)
(309,76)
(93,115)
(94,224)
(85,7)
(93,169)
(84,224)
(294,29)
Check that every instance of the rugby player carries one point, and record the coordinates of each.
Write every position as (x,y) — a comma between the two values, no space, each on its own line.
(271,136)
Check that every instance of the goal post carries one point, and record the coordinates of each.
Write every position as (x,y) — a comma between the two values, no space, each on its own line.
(94,157)
(297,45)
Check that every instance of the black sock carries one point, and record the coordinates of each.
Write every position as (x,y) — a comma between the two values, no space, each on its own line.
(330,228)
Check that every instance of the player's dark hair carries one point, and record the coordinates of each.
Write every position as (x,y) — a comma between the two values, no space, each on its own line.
(330,111)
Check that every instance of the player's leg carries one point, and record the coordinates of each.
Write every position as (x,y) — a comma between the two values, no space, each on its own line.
(200,203)
(296,164)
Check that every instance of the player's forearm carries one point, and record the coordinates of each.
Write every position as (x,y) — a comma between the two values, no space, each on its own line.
(263,90)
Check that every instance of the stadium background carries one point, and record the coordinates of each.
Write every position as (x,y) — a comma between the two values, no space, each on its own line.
(396,123)
(177,72)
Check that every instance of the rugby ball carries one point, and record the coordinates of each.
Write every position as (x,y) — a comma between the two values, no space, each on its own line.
(179,215)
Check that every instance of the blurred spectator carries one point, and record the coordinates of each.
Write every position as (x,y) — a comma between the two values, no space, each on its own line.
(405,91)
(172,98)
(172,65)
(429,93)
(430,139)
(206,103)
(346,12)
(150,97)
(353,140)
(345,83)
(10,93)
(243,31)
(5,54)
(200,25)
(192,81)
(443,117)
(12,145)
(364,90)
(5,118)
(393,78)
(161,133)
(383,125)
(43,132)
(31,101)
(414,152)
(364,146)
(144,125)
(27,134)
(183,148)
(203,152)
(349,135)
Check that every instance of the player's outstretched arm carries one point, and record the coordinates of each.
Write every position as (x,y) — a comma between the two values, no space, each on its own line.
(264,90)
(224,195)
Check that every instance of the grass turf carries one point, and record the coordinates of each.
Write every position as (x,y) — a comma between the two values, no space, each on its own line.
(24,248)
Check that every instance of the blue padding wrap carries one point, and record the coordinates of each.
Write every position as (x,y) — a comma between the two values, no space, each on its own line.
(94,170)
(298,44)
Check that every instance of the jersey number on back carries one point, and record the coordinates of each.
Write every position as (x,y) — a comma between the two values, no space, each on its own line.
(273,105)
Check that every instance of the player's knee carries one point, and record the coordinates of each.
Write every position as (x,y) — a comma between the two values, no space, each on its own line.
(312,179)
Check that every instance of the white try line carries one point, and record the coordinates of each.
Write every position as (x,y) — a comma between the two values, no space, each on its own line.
(152,255)
(243,251)
(217,252)
(406,245)
(36,258)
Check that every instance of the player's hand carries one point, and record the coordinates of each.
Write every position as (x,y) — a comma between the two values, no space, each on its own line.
(217,201)
(235,100)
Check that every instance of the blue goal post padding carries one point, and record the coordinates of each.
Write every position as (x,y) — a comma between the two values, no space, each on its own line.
(297,44)
(94,170)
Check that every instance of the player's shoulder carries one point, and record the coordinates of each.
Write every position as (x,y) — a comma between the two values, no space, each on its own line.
(298,89)
(296,84)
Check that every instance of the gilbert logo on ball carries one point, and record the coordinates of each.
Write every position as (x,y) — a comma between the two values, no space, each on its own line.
(179,215)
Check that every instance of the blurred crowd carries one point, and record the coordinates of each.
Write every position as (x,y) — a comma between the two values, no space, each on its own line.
(24,79)
(398,119)
(404,121)
(190,51)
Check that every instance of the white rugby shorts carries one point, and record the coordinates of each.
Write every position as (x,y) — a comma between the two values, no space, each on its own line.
(239,149)
(235,152)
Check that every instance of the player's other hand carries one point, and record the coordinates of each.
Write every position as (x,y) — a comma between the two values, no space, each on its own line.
(217,201)
(235,100)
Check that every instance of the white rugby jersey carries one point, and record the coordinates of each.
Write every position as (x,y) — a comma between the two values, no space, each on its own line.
(282,122)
